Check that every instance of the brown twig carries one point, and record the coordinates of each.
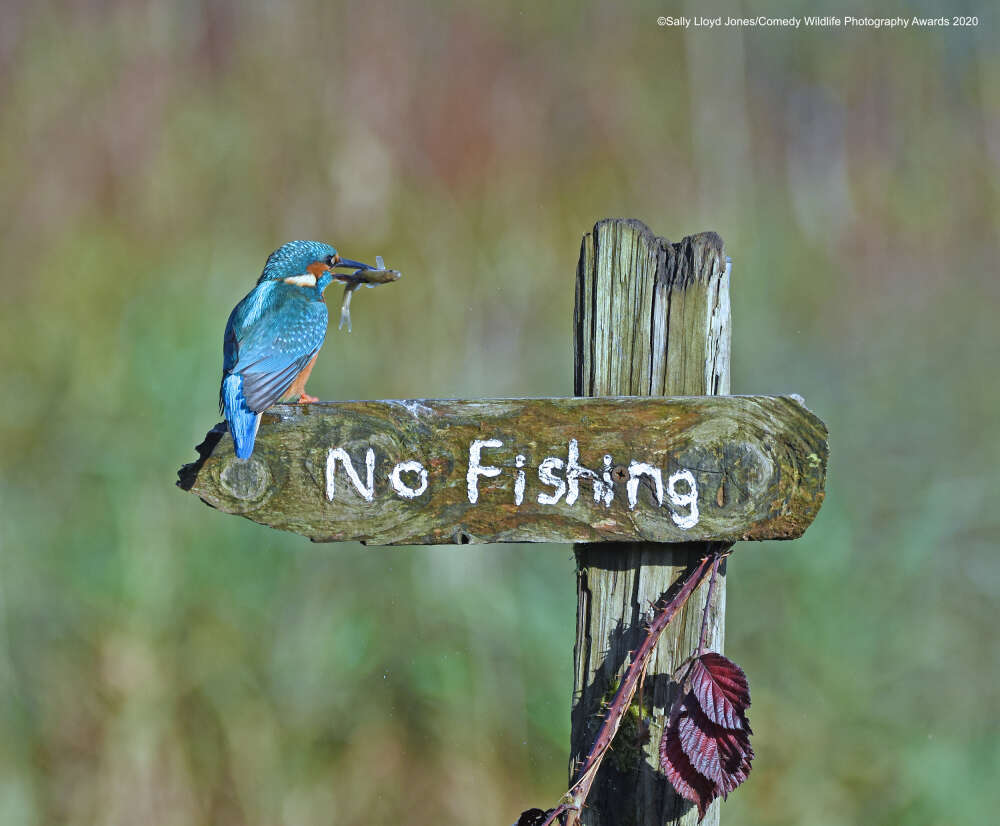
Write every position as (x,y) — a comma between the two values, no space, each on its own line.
(575,798)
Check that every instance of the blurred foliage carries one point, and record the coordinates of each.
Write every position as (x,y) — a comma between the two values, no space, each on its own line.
(163,663)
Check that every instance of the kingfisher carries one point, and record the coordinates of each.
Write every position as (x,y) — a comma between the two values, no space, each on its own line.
(274,334)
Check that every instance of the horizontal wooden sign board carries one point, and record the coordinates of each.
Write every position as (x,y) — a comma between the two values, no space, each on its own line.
(418,472)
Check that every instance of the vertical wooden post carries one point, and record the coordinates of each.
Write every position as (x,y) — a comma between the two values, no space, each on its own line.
(652,318)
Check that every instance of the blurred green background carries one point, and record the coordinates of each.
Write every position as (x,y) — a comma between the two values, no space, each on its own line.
(163,663)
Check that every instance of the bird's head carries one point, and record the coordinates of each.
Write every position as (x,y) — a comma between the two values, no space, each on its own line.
(306,264)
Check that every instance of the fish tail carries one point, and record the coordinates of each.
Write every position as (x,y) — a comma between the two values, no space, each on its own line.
(243,422)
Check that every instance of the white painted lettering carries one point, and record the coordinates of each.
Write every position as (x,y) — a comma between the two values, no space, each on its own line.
(575,471)
(367,491)
(476,469)
(546,477)
(604,490)
(519,481)
(409,479)
(683,500)
(637,469)
(404,490)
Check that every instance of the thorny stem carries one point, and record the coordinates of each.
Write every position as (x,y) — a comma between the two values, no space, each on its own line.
(708,604)
(562,808)
(577,795)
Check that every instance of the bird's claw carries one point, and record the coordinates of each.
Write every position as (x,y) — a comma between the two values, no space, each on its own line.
(305,398)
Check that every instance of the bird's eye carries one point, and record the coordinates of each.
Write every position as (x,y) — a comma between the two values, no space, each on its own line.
(329,260)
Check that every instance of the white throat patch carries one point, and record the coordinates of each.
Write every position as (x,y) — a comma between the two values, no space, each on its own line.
(306,280)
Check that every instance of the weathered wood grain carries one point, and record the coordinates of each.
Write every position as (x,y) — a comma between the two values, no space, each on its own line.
(652,318)
(758,463)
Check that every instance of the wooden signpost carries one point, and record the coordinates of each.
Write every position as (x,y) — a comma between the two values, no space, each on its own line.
(647,483)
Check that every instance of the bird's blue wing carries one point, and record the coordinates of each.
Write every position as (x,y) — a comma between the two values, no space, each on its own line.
(271,337)
(264,389)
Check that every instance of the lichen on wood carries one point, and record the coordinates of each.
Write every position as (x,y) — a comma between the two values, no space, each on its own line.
(748,456)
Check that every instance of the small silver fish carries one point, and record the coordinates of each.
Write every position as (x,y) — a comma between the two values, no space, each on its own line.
(369,277)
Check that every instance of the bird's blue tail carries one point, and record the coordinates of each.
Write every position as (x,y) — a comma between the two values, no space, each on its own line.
(243,422)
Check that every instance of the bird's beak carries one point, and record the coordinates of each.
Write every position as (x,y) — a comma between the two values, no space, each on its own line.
(348,263)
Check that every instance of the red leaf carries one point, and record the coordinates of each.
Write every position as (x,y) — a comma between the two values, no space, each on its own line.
(722,690)
(705,751)
(688,783)
(722,755)
(735,754)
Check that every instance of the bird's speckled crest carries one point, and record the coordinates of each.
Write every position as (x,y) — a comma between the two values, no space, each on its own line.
(292,259)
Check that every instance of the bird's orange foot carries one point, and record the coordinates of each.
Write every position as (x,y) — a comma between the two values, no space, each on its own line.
(305,398)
